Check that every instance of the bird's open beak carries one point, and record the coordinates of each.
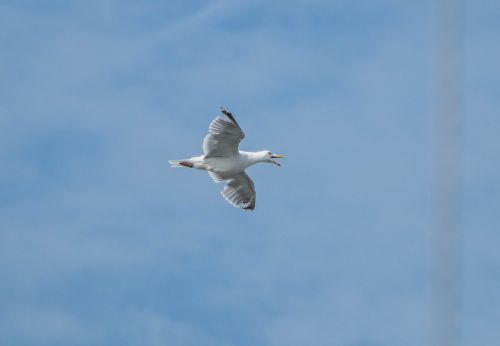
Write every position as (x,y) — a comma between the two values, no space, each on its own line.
(277,157)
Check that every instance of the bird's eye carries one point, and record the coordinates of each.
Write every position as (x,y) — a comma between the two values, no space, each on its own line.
(269,153)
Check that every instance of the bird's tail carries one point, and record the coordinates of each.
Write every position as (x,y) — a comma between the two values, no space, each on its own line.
(181,163)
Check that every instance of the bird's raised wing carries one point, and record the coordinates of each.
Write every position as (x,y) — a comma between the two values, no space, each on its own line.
(224,136)
(240,192)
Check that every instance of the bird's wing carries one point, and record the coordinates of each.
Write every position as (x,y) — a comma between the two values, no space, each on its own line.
(240,191)
(224,136)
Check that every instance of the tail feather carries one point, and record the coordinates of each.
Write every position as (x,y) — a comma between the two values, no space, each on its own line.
(175,163)
(180,163)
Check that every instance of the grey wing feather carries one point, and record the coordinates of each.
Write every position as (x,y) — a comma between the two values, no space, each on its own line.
(240,192)
(216,177)
(224,136)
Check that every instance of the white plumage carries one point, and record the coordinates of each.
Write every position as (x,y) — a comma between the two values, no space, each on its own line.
(225,162)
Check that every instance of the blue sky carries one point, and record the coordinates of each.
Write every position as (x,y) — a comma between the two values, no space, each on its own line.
(102,243)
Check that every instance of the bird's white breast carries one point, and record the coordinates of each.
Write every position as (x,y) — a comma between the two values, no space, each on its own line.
(227,165)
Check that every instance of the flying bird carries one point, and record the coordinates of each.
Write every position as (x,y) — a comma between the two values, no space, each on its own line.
(225,162)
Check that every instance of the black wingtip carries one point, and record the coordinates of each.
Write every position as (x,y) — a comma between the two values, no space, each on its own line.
(227,113)
(249,208)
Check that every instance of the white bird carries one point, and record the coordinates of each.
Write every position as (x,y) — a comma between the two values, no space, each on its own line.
(224,162)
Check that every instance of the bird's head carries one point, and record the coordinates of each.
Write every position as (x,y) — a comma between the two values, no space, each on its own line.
(268,156)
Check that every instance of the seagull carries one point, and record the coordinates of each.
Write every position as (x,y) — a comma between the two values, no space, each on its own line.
(225,162)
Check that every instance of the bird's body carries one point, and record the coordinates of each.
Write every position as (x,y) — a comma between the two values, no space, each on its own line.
(228,166)
(224,162)
(224,165)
